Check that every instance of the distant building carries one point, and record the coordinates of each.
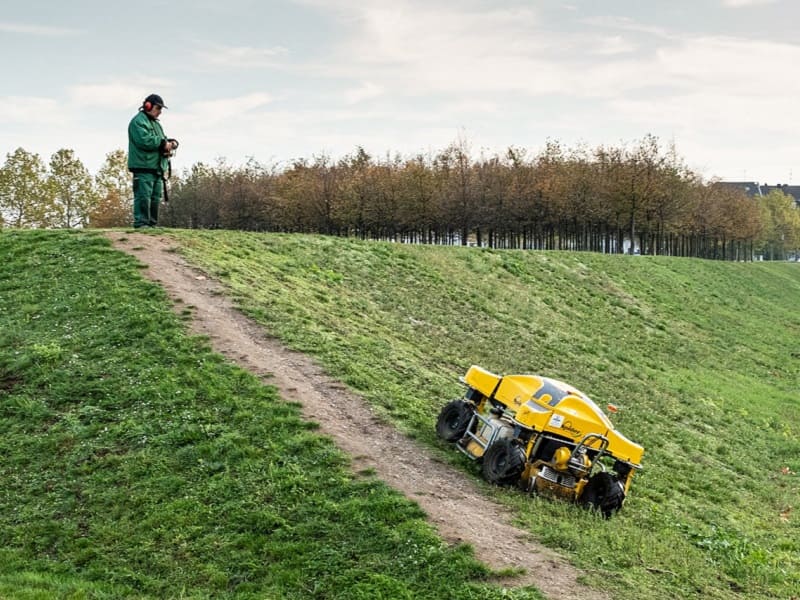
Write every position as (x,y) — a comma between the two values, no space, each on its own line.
(755,189)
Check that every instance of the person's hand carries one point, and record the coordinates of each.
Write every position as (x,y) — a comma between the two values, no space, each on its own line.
(169,146)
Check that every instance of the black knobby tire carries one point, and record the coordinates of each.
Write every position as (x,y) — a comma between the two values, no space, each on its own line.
(503,462)
(453,420)
(603,492)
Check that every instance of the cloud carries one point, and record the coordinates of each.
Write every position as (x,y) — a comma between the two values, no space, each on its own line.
(609,45)
(734,66)
(410,33)
(366,91)
(727,98)
(628,24)
(413,49)
(213,111)
(741,3)
(417,49)
(118,94)
(40,30)
(241,57)
(30,110)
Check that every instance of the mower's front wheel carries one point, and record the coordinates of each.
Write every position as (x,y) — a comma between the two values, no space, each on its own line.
(503,462)
(603,492)
(453,420)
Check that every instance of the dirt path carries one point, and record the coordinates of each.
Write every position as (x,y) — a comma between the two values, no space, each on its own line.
(454,505)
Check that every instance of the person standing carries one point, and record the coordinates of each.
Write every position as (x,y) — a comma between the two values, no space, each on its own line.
(148,159)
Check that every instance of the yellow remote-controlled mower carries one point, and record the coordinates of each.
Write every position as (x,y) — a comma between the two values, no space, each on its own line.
(543,435)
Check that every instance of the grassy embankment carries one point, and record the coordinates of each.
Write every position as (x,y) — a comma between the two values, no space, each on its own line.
(135,463)
(703,357)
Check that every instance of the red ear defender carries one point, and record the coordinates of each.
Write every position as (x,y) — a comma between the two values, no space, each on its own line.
(147,106)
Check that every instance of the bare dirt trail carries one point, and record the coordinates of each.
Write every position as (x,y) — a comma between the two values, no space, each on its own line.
(454,504)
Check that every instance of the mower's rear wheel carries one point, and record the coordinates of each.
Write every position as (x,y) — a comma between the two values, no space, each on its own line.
(603,492)
(503,462)
(453,420)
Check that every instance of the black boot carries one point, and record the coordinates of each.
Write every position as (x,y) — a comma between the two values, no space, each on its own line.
(153,222)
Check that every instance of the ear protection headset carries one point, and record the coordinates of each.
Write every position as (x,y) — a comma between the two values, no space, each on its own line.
(152,101)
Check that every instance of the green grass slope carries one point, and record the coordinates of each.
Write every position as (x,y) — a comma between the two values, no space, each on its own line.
(703,358)
(136,463)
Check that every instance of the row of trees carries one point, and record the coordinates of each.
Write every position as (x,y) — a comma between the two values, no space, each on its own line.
(599,200)
(608,199)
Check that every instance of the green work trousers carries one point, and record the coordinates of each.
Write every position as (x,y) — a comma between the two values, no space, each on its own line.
(147,191)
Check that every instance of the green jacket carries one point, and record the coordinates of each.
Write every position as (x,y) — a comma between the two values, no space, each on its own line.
(145,142)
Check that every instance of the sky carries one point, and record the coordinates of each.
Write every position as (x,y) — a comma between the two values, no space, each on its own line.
(280,80)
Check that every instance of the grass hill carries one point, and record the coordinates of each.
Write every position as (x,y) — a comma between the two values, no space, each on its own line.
(138,463)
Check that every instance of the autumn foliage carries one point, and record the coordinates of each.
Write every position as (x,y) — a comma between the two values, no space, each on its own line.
(636,199)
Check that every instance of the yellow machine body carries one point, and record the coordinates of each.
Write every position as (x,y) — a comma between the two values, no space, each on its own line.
(545,404)
(544,435)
